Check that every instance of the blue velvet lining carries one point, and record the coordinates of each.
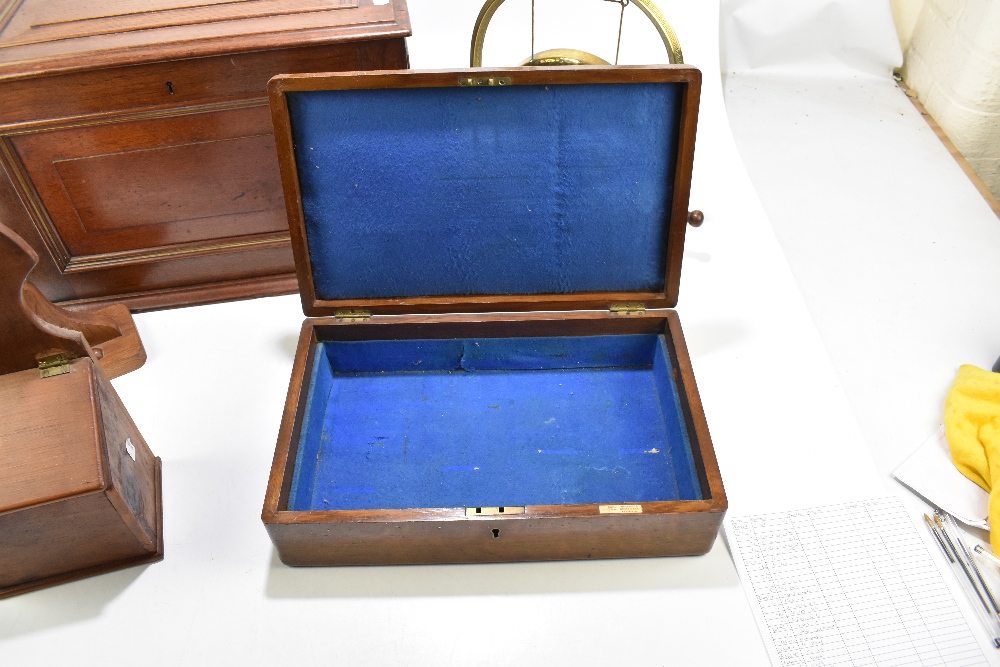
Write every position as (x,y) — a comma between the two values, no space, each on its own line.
(465,191)
(492,421)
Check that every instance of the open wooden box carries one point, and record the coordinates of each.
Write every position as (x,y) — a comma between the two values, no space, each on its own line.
(495,373)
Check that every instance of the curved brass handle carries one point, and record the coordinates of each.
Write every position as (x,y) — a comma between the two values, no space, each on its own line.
(652,12)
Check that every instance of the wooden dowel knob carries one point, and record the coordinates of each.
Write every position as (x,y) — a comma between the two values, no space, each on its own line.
(695,218)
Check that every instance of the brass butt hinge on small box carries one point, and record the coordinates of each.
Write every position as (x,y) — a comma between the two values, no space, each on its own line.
(493,511)
(53,364)
(353,315)
(627,308)
(484,81)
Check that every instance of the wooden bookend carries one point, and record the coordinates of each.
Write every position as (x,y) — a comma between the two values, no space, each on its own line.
(33,328)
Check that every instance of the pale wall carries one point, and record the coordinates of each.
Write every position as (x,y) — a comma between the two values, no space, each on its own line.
(906,13)
(952,61)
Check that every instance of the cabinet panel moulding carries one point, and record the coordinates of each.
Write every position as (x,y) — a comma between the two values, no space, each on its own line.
(76,122)
(32,203)
(92,262)
(7,10)
(71,262)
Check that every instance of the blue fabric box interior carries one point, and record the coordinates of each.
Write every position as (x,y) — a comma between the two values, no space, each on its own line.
(470,191)
(492,421)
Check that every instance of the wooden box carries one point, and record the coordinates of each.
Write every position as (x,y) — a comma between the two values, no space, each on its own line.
(491,370)
(79,487)
(73,500)
(136,153)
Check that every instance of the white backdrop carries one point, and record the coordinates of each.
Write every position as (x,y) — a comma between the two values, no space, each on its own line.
(893,248)
(808,38)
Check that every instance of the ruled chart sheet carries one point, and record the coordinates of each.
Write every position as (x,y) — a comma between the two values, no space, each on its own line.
(849,584)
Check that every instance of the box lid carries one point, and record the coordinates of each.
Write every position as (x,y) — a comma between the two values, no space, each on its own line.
(487,190)
(49,437)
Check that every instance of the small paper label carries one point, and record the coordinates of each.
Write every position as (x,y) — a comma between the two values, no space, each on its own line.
(130,448)
(621,509)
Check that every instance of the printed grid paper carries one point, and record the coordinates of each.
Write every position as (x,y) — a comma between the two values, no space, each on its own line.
(849,584)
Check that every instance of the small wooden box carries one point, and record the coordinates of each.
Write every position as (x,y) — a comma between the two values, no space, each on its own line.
(136,153)
(496,374)
(79,487)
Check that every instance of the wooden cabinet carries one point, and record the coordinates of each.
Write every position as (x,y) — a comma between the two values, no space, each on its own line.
(136,145)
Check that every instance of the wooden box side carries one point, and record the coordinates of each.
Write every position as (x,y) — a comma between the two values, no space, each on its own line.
(707,464)
(131,468)
(313,305)
(542,532)
(496,540)
(70,539)
(283,464)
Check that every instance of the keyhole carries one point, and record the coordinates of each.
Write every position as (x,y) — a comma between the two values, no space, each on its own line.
(170,87)
(496,532)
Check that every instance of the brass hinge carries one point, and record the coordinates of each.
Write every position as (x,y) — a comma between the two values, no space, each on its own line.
(484,81)
(53,364)
(353,315)
(493,511)
(627,308)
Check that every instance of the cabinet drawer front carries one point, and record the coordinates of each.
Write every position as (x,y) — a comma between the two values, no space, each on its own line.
(41,101)
(189,180)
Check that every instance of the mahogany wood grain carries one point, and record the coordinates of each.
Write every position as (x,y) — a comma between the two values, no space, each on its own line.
(706,464)
(110,331)
(156,183)
(136,138)
(96,327)
(223,274)
(130,481)
(40,417)
(174,297)
(73,503)
(87,96)
(15,216)
(123,353)
(519,538)
(447,535)
(76,533)
(676,225)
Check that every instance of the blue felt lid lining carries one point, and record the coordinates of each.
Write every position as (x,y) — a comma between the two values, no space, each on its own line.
(422,192)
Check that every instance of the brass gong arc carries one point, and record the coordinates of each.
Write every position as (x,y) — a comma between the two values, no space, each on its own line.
(652,12)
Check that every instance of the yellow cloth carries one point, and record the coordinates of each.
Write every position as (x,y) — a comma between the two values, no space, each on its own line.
(972,424)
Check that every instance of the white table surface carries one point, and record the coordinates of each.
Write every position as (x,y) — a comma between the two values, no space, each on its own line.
(785,381)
